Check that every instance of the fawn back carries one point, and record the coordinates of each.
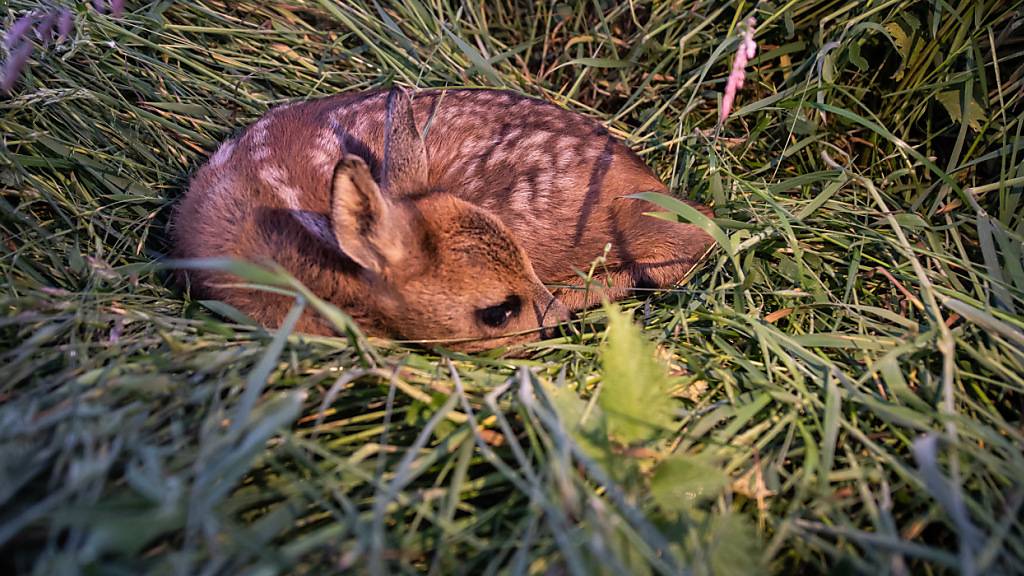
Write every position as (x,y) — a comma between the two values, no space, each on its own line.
(555,178)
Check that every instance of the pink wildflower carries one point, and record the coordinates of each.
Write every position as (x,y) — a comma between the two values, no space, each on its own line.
(116,330)
(64,24)
(18,29)
(746,51)
(44,29)
(14,65)
(43,23)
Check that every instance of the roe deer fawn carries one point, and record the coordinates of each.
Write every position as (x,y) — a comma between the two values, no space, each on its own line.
(434,217)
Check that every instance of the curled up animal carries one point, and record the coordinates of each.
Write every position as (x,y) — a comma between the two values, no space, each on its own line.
(435,216)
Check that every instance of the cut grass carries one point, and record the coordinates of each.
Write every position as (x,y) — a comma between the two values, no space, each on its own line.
(846,371)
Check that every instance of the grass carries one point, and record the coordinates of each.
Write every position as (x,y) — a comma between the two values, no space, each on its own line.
(839,388)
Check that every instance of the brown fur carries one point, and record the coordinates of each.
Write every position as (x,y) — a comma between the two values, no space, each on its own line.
(485,194)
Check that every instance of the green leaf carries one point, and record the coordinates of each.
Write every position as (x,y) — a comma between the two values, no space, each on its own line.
(478,59)
(902,43)
(951,101)
(228,311)
(126,530)
(833,413)
(635,392)
(984,320)
(233,453)
(588,428)
(824,196)
(259,375)
(853,53)
(986,238)
(687,213)
(911,221)
(682,481)
(244,270)
(891,372)
(595,63)
(735,547)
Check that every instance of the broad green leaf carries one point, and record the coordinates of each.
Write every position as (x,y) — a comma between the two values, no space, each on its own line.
(228,311)
(826,193)
(985,320)
(902,42)
(128,530)
(911,221)
(596,63)
(682,481)
(951,101)
(259,375)
(926,453)
(735,547)
(233,453)
(587,428)
(986,238)
(1013,255)
(833,413)
(853,53)
(892,373)
(848,341)
(688,213)
(635,392)
(478,59)
(244,270)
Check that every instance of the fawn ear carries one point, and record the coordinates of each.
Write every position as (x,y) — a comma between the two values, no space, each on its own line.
(404,168)
(369,229)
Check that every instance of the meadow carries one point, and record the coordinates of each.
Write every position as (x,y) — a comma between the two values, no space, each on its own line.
(838,387)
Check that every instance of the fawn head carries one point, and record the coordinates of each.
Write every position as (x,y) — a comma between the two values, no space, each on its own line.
(438,268)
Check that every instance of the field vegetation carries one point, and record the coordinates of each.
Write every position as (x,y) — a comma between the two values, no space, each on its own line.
(837,388)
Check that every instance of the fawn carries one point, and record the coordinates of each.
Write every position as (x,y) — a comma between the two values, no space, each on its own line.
(439,216)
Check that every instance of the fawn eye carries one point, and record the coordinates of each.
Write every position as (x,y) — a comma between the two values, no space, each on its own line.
(498,315)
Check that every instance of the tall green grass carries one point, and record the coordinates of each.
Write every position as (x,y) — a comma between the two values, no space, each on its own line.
(837,389)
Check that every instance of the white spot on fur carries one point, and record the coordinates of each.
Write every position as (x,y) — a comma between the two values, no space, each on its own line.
(536,158)
(316,224)
(327,140)
(273,175)
(540,196)
(471,145)
(220,186)
(260,149)
(283,107)
(537,140)
(222,153)
(322,160)
(520,197)
(325,152)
